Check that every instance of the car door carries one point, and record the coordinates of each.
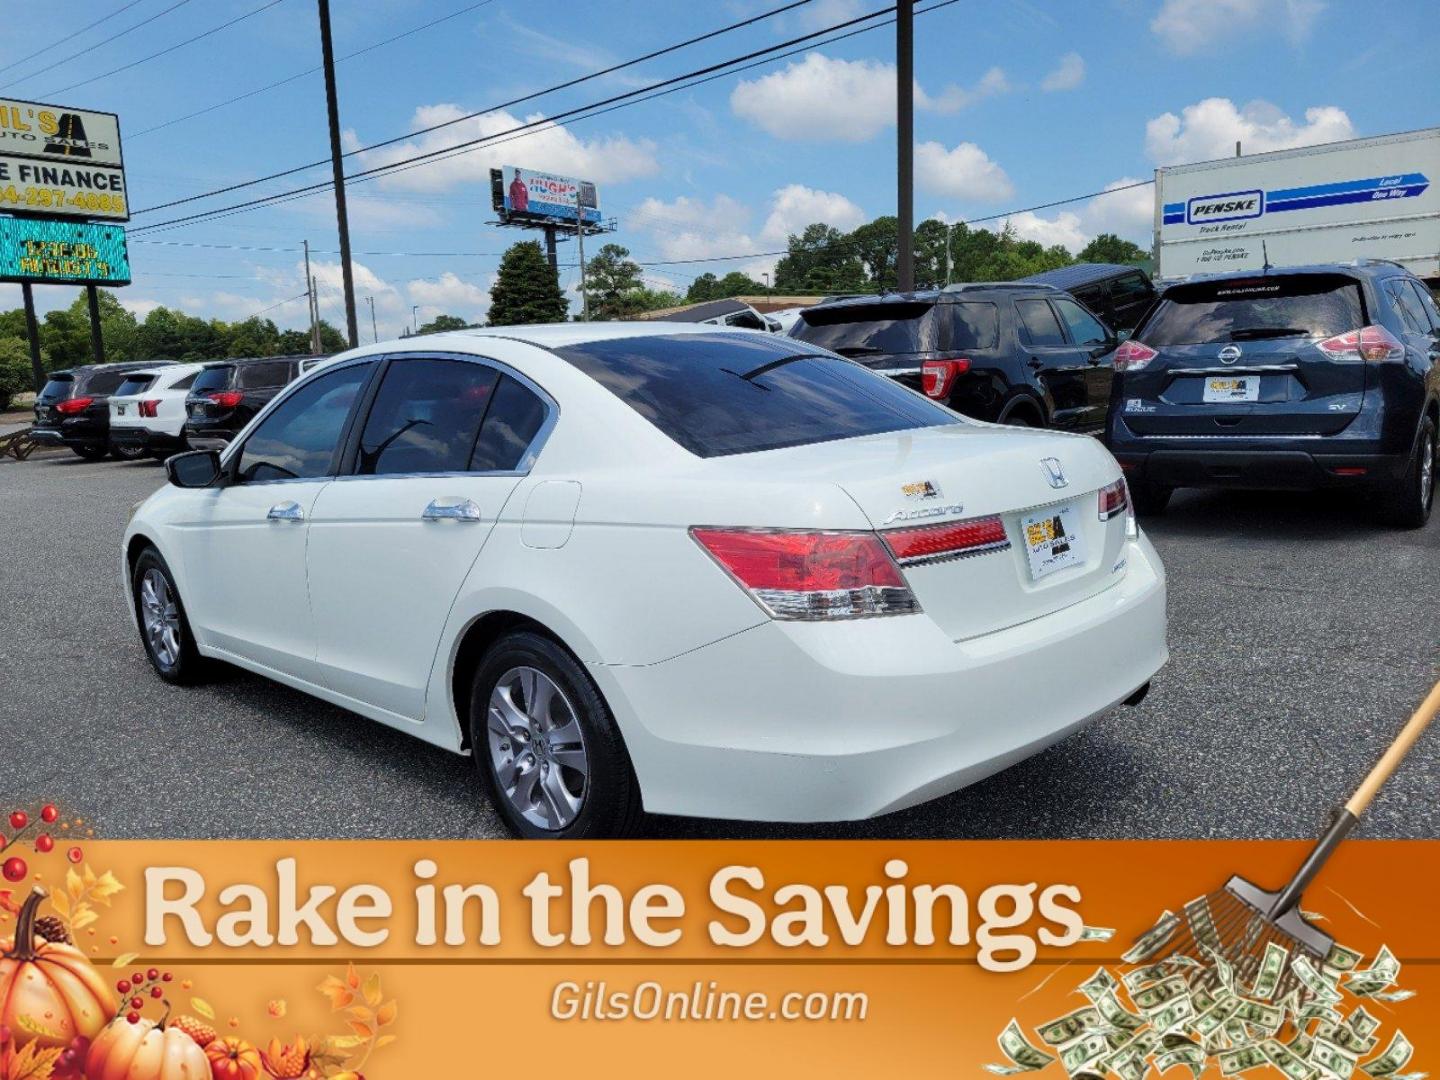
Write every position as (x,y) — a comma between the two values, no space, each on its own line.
(243,543)
(1061,368)
(1091,336)
(444,443)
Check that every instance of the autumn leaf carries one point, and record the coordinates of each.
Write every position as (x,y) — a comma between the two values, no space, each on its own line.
(203,1007)
(73,884)
(88,876)
(105,888)
(343,1042)
(372,990)
(384,1040)
(339,994)
(83,917)
(365,1031)
(352,977)
(124,959)
(33,1063)
(386,1013)
(361,1013)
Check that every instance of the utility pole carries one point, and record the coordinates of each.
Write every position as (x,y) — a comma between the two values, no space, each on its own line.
(313,304)
(342,217)
(580,243)
(375,330)
(97,342)
(32,331)
(550,251)
(415,318)
(905,136)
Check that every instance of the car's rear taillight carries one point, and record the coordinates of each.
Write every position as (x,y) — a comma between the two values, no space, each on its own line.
(74,405)
(953,540)
(937,377)
(149,408)
(1113,499)
(811,575)
(226,399)
(1133,355)
(1367,343)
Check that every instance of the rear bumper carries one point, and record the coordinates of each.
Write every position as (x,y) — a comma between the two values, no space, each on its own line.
(834,722)
(156,442)
(1285,467)
(84,434)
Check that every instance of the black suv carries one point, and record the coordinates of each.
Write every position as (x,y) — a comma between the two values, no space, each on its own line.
(1119,294)
(73,408)
(1006,352)
(1302,378)
(228,394)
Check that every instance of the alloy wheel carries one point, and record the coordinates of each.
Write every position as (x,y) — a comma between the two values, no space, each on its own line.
(537,748)
(160,616)
(1427,472)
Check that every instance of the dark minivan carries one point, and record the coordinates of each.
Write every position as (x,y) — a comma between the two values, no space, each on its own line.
(1004,352)
(73,408)
(1120,295)
(227,395)
(1301,378)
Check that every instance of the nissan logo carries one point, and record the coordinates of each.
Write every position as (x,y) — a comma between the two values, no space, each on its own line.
(1229,354)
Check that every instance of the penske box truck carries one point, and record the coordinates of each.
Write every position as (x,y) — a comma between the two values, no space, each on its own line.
(1375,198)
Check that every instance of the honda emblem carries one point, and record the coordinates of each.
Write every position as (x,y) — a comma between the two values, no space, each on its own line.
(1054,472)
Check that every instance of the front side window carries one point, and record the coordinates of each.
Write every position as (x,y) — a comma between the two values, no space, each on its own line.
(1427,304)
(1253,309)
(298,439)
(1085,329)
(426,417)
(1041,326)
(269,373)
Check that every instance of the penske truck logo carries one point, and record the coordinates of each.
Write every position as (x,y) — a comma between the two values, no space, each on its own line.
(1238,205)
(1227,207)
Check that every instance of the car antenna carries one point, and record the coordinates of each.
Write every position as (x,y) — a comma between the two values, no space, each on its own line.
(1265,254)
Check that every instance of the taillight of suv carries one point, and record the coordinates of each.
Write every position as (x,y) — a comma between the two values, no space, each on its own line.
(1133,355)
(74,406)
(937,377)
(226,399)
(150,408)
(1367,343)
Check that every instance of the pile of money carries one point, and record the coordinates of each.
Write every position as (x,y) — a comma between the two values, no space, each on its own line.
(1198,1011)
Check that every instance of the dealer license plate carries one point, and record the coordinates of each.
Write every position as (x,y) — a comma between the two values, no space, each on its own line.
(119,410)
(1052,540)
(1231,388)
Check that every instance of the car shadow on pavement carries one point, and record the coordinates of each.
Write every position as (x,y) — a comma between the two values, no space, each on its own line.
(1299,517)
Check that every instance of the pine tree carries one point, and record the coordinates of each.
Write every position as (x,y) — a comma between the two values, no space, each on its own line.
(525,289)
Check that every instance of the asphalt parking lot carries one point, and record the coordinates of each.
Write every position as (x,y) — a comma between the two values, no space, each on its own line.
(1301,635)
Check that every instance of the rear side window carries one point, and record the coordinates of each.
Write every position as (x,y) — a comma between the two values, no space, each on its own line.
(972,326)
(186,383)
(299,437)
(58,389)
(134,384)
(1040,323)
(1253,309)
(1409,306)
(862,329)
(514,419)
(1130,289)
(212,378)
(426,417)
(270,373)
(721,394)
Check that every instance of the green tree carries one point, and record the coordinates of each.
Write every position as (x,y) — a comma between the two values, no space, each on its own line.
(1109,248)
(638,300)
(172,335)
(704,288)
(709,287)
(877,244)
(15,375)
(441,323)
(525,289)
(931,236)
(293,342)
(331,340)
(819,260)
(252,337)
(609,278)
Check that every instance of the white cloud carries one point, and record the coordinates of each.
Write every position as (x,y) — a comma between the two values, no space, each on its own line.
(795,206)
(1209,129)
(449,295)
(1191,26)
(1064,229)
(138,305)
(1128,213)
(966,172)
(1068,74)
(820,98)
(546,147)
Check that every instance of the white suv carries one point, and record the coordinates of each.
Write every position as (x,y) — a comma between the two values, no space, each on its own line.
(147,411)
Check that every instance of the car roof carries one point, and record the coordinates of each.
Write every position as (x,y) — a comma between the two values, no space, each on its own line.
(552,335)
(119,365)
(1078,274)
(1360,268)
(949,294)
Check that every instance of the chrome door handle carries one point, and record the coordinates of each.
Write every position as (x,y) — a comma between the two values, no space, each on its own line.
(451,510)
(286,511)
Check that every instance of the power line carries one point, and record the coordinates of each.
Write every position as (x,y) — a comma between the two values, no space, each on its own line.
(310,71)
(99,44)
(71,36)
(167,51)
(495,108)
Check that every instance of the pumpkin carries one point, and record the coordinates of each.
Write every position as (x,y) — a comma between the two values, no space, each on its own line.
(145,1050)
(234,1059)
(49,993)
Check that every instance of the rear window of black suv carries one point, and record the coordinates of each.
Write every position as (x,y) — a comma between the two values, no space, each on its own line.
(899,327)
(1249,309)
(717,395)
(212,378)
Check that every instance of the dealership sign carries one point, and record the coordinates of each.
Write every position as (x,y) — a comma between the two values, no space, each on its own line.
(50,252)
(524,195)
(61,162)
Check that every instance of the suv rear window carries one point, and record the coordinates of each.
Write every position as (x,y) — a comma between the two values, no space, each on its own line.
(58,388)
(270,373)
(103,382)
(134,384)
(861,329)
(1251,309)
(212,378)
(720,394)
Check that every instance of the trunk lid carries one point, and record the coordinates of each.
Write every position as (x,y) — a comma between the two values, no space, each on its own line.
(960,472)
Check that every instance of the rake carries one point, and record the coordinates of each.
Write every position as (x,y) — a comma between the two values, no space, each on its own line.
(1239,921)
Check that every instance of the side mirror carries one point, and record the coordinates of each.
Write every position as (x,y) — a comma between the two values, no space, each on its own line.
(195,469)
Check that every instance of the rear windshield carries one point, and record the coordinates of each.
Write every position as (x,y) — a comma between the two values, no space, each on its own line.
(857,329)
(103,382)
(212,378)
(269,373)
(58,388)
(134,384)
(720,394)
(1252,309)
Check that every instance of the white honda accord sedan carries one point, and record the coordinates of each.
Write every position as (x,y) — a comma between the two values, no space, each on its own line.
(665,568)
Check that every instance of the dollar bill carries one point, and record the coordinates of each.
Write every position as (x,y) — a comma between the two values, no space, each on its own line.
(1361,1022)
(1202,923)
(1333,1059)
(1083,1052)
(1272,966)
(1268,1017)
(1191,1056)
(1391,996)
(1159,995)
(1023,1056)
(1302,1044)
(1097,933)
(1240,1059)
(1116,1015)
(1173,1014)
(1153,940)
(1287,1061)
(1223,971)
(1342,959)
(1313,981)
(1213,1019)
(1396,1056)
(1071,1026)
(1099,984)
(1378,976)
(1141,976)
(1345,1037)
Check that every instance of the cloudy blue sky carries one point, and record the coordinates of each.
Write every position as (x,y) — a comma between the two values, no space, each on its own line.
(1019,103)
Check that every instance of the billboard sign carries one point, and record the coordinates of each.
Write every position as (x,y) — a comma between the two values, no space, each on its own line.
(544,198)
(50,252)
(61,162)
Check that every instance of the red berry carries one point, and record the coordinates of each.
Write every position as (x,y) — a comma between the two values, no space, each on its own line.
(123,986)
(75,854)
(44,844)
(137,1003)
(152,974)
(133,1017)
(156,992)
(15,869)
(19,819)
(166,977)
(49,813)
(138,978)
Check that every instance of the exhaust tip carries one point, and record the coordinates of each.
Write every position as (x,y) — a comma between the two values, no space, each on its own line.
(1139,695)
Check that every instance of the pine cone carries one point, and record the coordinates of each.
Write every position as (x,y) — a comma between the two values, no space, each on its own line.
(52,929)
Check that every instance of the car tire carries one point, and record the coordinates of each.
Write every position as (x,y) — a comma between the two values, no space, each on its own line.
(1150,499)
(90,453)
(537,786)
(1409,502)
(172,654)
(1019,418)
(128,453)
